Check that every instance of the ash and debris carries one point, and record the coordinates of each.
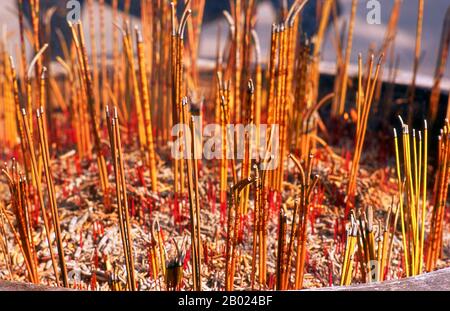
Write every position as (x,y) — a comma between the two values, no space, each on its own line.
(93,248)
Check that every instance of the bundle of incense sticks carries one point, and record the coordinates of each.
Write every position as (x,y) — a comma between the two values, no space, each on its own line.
(88,94)
(121,196)
(304,129)
(18,187)
(350,247)
(363,104)
(303,96)
(163,57)
(19,125)
(43,142)
(306,134)
(412,192)
(132,75)
(283,46)
(243,13)
(299,227)
(435,238)
(36,174)
(260,225)
(233,225)
(143,82)
(248,150)
(342,75)
(33,167)
(140,95)
(8,128)
(182,115)
(441,64)
(371,243)
(178,89)
(193,192)
(373,248)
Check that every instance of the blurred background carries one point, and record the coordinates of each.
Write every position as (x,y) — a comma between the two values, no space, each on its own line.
(364,35)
